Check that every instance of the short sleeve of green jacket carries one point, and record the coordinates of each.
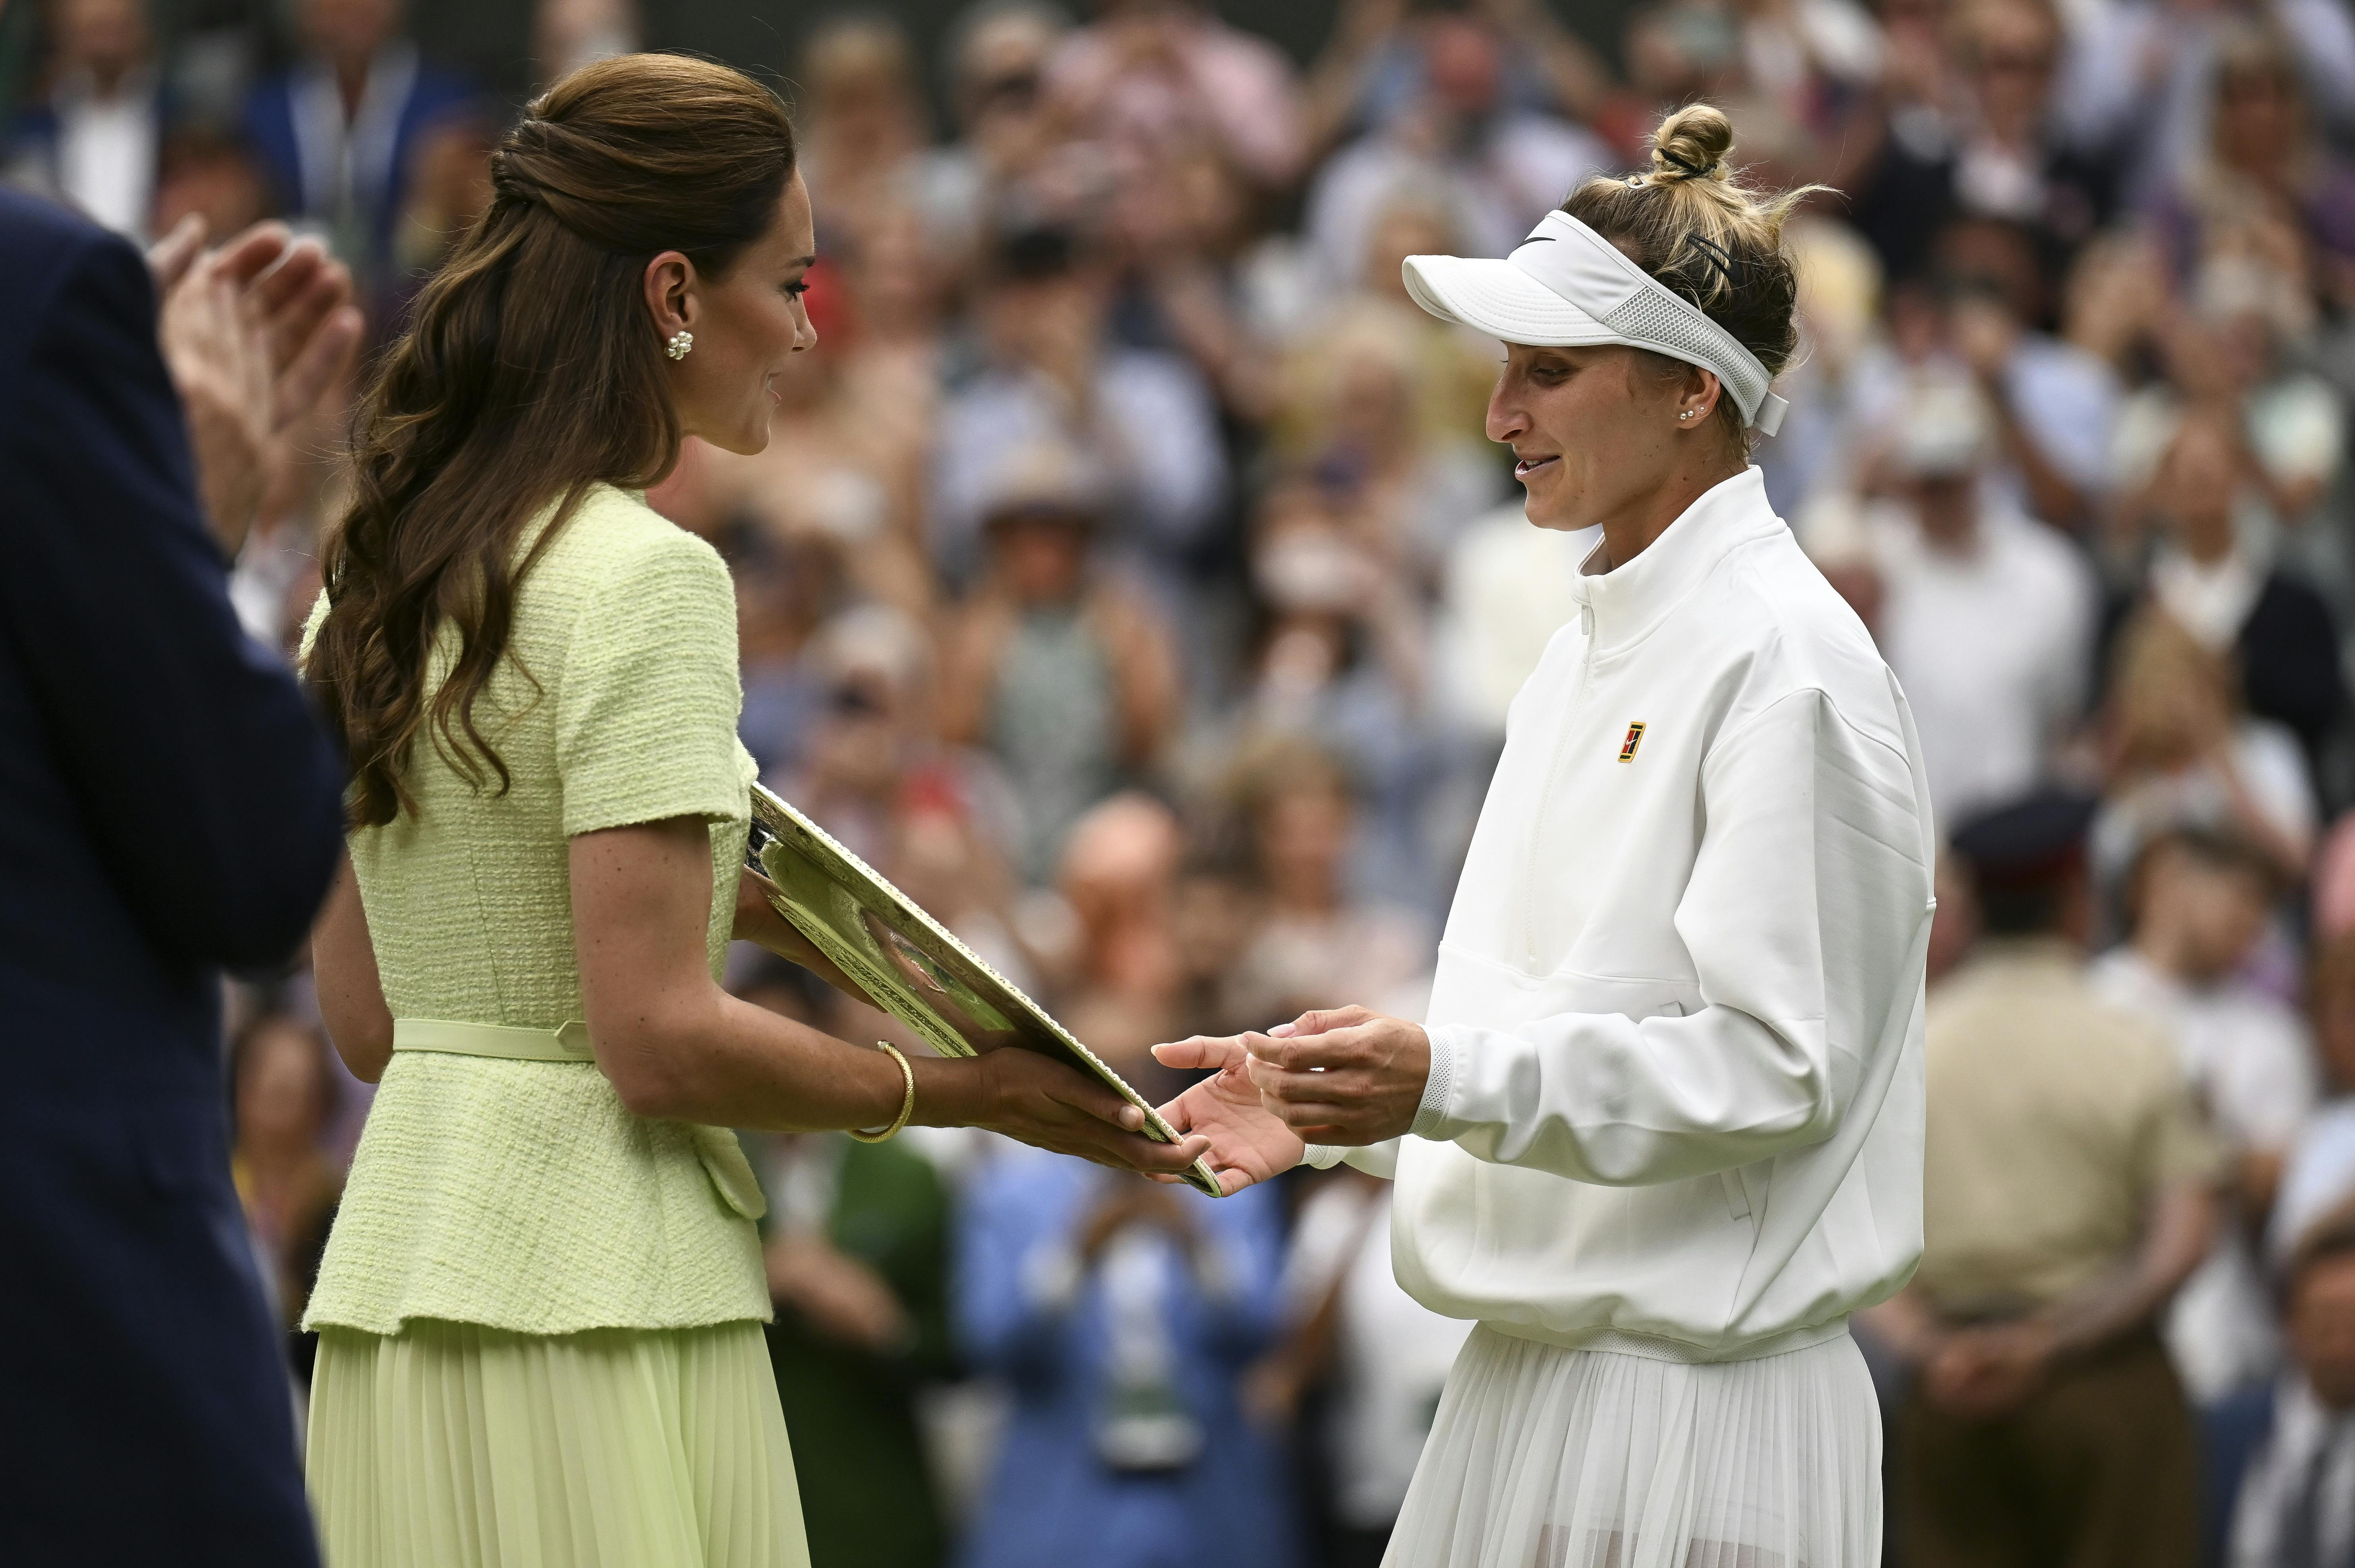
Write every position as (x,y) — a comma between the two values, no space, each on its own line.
(647,702)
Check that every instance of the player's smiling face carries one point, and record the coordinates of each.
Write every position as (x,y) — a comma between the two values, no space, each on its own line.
(1593,430)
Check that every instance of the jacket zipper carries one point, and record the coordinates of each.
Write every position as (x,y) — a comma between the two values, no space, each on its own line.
(1545,794)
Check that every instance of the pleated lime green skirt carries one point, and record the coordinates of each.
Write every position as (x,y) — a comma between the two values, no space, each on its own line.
(449,1445)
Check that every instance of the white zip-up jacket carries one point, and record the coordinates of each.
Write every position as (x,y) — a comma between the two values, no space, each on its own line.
(1675,1103)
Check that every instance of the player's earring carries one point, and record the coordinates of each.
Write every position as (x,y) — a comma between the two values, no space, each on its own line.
(679,344)
(1688,414)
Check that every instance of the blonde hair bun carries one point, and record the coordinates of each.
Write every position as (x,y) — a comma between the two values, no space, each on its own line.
(1691,145)
(1707,236)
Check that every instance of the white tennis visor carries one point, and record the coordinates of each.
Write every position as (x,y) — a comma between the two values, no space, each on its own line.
(1568,287)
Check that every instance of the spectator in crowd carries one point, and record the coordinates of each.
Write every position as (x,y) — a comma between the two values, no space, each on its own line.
(872,759)
(1401,490)
(1969,130)
(1180,222)
(568,34)
(1338,653)
(1009,128)
(1314,938)
(2183,754)
(856,1252)
(2282,424)
(95,141)
(2198,904)
(2281,1486)
(1985,616)
(1807,61)
(1049,375)
(785,587)
(338,133)
(2264,155)
(2135,85)
(1056,668)
(1121,1316)
(2066,1195)
(1363,1354)
(149,1417)
(1118,877)
(1373,64)
(861,116)
(2321,1165)
(210,174)
(2139,76)
(1841,282)
(1502,165)
(2277,632)
(282,1093)
(896,281)
(1678,52)
(1148,72)
(2055,404)
(1214,910)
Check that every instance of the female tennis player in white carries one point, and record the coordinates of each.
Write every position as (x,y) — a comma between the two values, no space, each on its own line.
(1662,1131)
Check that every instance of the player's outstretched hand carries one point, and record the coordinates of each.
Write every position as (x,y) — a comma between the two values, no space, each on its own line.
(1247,1142)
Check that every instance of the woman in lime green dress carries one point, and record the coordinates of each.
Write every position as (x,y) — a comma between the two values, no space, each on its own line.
(540,1310)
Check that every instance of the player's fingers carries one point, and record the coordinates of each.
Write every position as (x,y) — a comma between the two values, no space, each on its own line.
(1299,1114)
(1328,1050)
(1201,1051)
(1319,1020)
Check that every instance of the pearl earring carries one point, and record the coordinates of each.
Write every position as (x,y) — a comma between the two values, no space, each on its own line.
(1688,414)
(679,344)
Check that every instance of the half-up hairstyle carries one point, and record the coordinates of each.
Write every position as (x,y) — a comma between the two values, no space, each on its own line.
(1707,236)
(529,371)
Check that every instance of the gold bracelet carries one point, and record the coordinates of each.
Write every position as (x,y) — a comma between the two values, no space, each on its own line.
(907,1100)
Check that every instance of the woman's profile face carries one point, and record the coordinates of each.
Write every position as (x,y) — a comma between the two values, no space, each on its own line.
(1593,430)
(748,322)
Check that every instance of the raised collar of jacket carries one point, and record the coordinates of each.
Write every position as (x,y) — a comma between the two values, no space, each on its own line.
(1627,601)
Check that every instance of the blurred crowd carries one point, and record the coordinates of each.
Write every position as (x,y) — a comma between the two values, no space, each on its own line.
(1128,578)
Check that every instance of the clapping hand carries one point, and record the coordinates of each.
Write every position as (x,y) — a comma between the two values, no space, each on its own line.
(256,335)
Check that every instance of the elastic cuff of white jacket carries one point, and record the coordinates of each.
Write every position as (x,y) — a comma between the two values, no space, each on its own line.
(1323,1155)
(1431,1116)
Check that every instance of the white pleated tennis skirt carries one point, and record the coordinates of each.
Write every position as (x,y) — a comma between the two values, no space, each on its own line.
(1546,1458)
(449,1445)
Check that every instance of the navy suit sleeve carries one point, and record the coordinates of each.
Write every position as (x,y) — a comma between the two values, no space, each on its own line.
(209,788)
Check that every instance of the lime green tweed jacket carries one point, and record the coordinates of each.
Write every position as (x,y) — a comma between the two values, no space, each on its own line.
(521,1194)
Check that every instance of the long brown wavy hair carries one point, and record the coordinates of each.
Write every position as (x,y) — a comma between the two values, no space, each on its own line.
(529,371)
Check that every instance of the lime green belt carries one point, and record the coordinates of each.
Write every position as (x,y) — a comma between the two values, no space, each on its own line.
(570,1044)
(722,1156)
